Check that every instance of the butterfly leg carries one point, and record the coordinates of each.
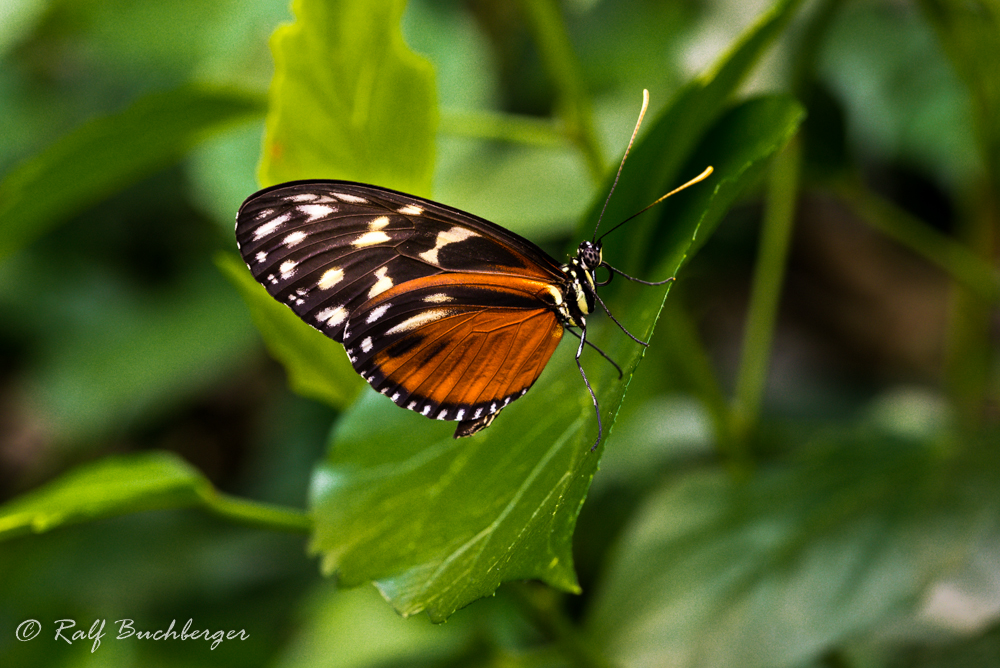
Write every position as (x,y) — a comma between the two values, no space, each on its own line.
(620,326)
(603,354)
(597,407)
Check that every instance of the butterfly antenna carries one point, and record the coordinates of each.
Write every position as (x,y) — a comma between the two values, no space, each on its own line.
(701,177)
(642,112)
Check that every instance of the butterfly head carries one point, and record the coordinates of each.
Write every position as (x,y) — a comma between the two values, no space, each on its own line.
(590,256)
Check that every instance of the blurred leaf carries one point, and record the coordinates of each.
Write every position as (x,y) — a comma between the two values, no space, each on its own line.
(345,629)
(349,99)
(139,356)
(109,153)
(970,32)
(17,19)
(533,191)
(902,99)
(317,366)
(439,522)
(659,157)
(130,484)
(772,571)
(981,651)
(111,486)
(545,20)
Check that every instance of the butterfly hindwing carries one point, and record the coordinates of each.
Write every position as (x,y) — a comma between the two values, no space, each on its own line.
(455,347)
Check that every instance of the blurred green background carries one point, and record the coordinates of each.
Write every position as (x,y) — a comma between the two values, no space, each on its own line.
(836,505)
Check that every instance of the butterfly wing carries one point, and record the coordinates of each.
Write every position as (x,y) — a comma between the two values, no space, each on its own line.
(326,247)
(445,313)
(455,347)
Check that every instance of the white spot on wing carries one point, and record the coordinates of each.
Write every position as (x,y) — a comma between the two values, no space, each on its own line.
(353,199)
(302,197)
(411,405)
(442,415)
(382,284)
(411,210)
(370,239)
(460,414)
(332,317)
(261,256)
(366,344)
(427,409)
(294,239)
(287,269)
(377,313)
(395,396)
(421,318)
(378,223)
(438,298)
(270,226)
(314,211)
(479,411)
(450,236)
(330,278)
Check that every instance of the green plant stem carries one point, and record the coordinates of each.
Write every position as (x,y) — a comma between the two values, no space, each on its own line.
(546,23)
(543,607)
(963,265)
(502,127)
(970,35)
(970,358)
(256,514)
(689,355)
(769,273)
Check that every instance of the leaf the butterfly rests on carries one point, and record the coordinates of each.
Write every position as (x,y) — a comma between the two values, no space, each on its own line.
(445,313)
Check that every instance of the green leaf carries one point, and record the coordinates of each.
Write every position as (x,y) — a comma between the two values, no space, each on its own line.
(317,366)
(349,99)
(658,158)
(107,154)
(970,32)
(379,636)
(160,349)
(439,522)
(111,486)
(775,570)
(134,483)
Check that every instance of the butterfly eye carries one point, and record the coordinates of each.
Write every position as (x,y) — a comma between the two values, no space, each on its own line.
(589,255)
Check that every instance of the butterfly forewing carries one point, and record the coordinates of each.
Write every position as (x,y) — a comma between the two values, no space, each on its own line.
(445,313)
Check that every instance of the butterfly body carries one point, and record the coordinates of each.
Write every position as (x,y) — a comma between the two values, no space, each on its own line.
(445,313)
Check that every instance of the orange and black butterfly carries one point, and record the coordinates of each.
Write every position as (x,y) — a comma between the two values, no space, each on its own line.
(445,313)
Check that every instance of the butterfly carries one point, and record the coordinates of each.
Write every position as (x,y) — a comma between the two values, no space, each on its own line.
(441,311)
